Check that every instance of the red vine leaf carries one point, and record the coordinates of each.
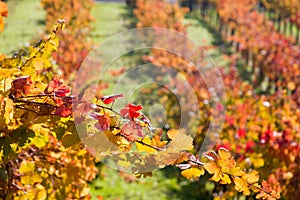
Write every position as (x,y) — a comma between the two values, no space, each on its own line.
(64,110)
(131,111)
(21,86)
(57,87)
(111,98)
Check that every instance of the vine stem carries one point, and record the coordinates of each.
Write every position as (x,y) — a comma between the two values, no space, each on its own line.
(111,109)
(43,44)
(20,100)
(148,145)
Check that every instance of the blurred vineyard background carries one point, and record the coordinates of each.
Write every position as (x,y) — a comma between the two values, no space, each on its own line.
(255,44)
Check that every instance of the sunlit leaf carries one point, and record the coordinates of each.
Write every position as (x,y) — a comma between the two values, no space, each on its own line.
(27,167)
(181,142)
(111,98)
(214,169)
(193,173)
(241,185)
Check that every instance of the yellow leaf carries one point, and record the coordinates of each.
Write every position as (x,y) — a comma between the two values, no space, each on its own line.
(225,179)
(85,191)
(224,154)
(38,64)
(142,146)
(9,110)
(156,141)
(123,143)
(252,177)
(113,120)
(14,147)
(116,131)
(26,167)
(8,73)
(118,140)
(1,24)
(31,179)
(38,142)
(36,178)
(39,129)
(181,142)
(226,160)
(26,179)
(236,171)
(214,169)
(258,162)
(193,173)
(42,193)
(241,185)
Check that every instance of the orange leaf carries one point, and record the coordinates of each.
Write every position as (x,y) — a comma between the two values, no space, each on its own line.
(241,185)
(214,169)
(3,9)
(172,133)
(224,154)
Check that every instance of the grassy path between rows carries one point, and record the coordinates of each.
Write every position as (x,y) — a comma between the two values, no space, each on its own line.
(167,183)
(25,22)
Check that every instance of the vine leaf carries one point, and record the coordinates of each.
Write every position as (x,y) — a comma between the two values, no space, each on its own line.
(221,165)
(214,169)
(150,145)
(241,185)
(193,172)
(131,111)
(145,146)
(267,192)
(27,167)
(111,98)
(252,177)
(117,140)
(103,121)
(172,133)
(180,141)
(4,13)
(21,86)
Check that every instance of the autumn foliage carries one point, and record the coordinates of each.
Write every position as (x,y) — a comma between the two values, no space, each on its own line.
(261,126)
(3,13)
(286,9)
(275,58)
(51,138)
(37,157)
(261,121)
(149,14)
(75,43)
